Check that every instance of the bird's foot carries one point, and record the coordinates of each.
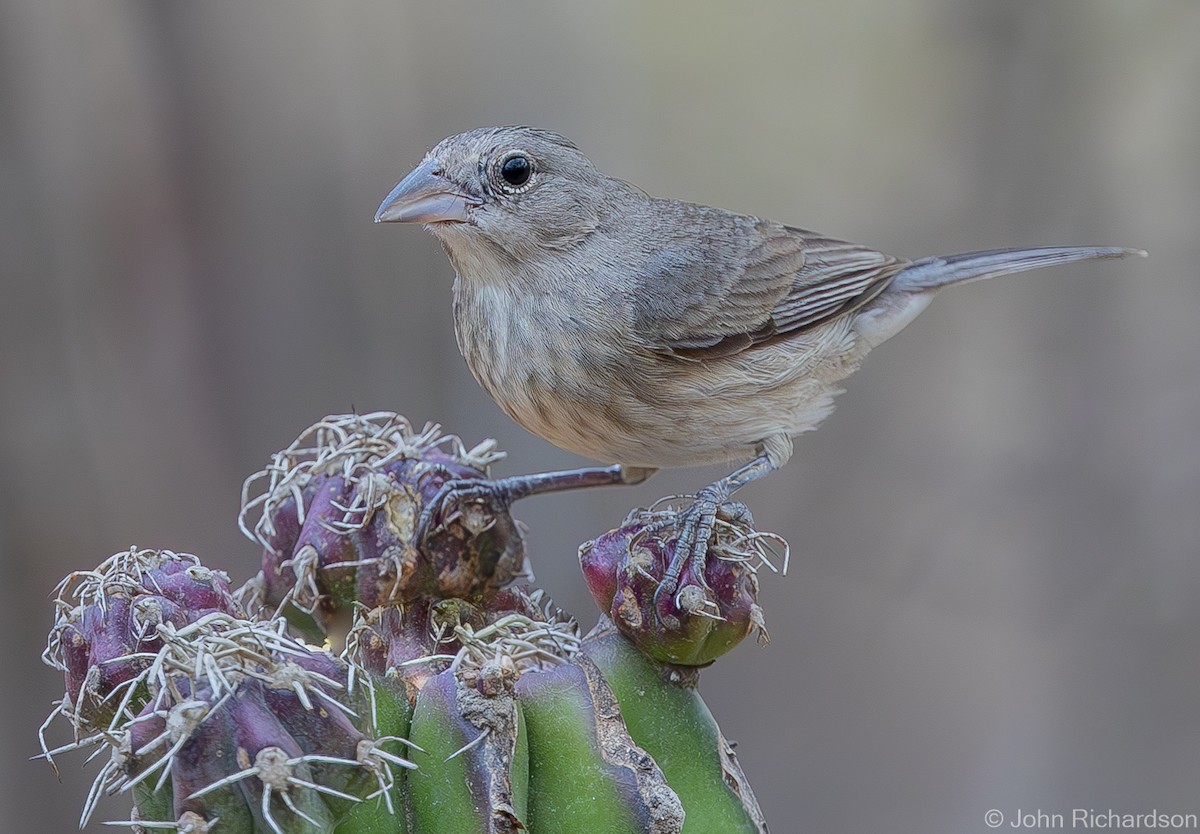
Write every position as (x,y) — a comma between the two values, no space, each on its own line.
(677,610)
(459,500)
(696,525)
(455,495)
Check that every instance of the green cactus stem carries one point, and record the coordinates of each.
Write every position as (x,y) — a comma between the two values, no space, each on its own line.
(667,717)
(586,773)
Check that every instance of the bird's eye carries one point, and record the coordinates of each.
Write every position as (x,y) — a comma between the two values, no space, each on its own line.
(516,170)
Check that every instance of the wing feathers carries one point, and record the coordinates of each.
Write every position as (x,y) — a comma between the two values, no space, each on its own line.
(789,280)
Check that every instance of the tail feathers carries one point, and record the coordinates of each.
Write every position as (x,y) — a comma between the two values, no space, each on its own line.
(934,273)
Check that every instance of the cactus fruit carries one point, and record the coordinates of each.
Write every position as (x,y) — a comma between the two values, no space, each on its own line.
(106,629)
(710,613)
(353,512)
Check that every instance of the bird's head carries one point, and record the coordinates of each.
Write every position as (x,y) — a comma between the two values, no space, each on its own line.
(510,190)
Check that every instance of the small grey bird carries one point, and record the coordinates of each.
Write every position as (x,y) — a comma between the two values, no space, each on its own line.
(649,332)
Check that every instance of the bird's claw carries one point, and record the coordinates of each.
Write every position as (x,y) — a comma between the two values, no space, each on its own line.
(696,525)
(447,505)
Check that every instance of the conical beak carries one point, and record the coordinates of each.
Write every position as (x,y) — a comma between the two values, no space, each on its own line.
(425,196)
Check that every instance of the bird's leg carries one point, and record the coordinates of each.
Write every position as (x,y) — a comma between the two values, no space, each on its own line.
(506,490)
(701,517)
(522,486)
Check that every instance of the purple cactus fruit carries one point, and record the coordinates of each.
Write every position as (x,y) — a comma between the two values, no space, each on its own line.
(706,615)
(601,560)
(354,513)
(107,629)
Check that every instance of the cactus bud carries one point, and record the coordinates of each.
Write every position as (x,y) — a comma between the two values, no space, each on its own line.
(354,512)
(396,542)
(707,614)
(106,630)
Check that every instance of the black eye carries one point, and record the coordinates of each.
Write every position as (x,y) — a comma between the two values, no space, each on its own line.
(516,170)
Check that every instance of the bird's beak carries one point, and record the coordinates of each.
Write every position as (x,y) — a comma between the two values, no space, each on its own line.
(425,196)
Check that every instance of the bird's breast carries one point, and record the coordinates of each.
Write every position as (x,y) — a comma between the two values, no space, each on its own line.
(547,367)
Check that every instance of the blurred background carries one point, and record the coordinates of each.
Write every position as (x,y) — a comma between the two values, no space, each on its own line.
(992,600)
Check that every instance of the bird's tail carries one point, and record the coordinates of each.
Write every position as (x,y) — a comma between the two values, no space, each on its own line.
(934,273)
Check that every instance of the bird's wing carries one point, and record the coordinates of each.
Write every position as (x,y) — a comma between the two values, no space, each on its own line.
(781,281)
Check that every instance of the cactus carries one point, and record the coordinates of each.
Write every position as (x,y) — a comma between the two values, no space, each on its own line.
(442,697)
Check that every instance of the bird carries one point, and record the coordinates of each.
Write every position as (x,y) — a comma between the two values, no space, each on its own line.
(646,332)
